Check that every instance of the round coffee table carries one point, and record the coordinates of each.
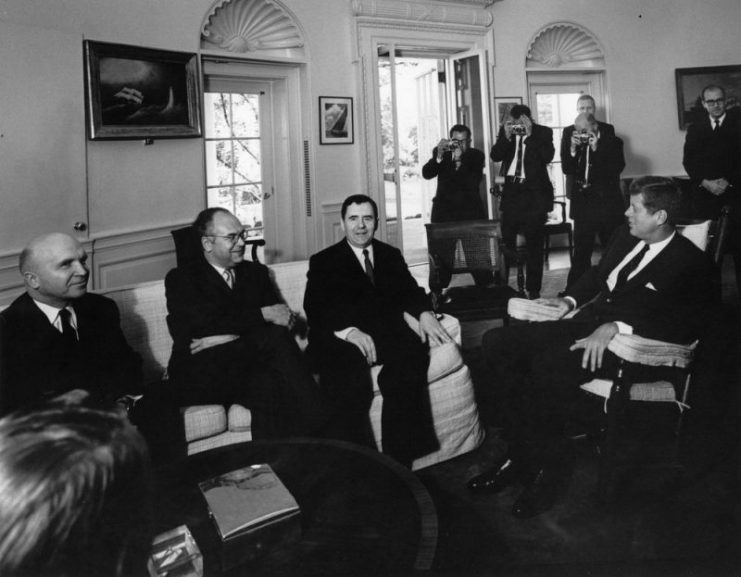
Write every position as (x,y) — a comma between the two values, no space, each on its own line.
(361,512)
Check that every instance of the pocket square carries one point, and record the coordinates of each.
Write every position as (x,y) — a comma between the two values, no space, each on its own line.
(650,286)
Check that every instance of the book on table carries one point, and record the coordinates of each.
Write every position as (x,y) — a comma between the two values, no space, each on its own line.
(252,510)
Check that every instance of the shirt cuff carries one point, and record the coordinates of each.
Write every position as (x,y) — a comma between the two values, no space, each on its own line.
(343,333)
(623,328)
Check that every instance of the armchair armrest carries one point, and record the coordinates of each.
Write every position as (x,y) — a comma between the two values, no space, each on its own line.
(451,324)
(636,349)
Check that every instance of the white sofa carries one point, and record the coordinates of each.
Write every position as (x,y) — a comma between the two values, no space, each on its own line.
(143,320)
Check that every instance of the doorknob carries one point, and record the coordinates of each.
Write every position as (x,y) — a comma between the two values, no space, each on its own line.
(268,193)
(80,226)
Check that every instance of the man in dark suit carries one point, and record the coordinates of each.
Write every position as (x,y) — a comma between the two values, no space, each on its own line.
(231,339)
(59,342)
(651,282)
(357,293)
(525,149)
(458,169)
(594,161)
(585,104)
(712,159)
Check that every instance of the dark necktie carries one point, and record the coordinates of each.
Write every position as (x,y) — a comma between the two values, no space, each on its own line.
(69,336)
(368,266)
(518,166)
(717,124)
(630,266)
(584,166)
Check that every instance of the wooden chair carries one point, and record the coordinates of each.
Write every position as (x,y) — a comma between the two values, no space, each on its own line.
(632,350)
(467,247)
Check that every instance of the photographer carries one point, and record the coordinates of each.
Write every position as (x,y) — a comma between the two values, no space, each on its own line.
(525,149)
(594,161)
(458,169)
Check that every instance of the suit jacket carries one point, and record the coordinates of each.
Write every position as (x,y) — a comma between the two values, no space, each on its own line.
(603,196)
(200,303)
(457,196)
(669,299)
(539,153)
(34,365)
(710,154)
(340,295)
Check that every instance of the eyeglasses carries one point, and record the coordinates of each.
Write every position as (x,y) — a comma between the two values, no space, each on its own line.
(232,238)
(459,142)
(714,102)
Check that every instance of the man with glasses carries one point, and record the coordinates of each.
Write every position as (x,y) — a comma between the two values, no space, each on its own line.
(712,153)
(458,169)
(231,336)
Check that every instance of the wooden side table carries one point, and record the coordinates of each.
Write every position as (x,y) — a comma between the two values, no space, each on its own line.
(362,513)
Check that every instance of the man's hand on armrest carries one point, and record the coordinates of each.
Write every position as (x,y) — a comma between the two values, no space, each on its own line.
(278,314)
(431,331)
(198,345)
(72,397)
(594,346)
(365,343)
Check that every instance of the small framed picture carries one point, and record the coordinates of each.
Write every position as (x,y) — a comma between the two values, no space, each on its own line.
(134,92)
(503,105)
(336,120)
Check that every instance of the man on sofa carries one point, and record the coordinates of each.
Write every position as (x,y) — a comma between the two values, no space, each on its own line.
(356,296)
(59,342)
(651,282)
(231,339)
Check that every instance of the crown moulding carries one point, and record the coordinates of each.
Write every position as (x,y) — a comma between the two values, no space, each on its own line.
(460,12)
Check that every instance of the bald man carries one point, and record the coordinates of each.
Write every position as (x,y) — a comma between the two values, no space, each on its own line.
(57,341)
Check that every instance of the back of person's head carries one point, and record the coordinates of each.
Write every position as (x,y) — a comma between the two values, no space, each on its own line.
(658,193)
(75,494)
(358,199)
(519,110)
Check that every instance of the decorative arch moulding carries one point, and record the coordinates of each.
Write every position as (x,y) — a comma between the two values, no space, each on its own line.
(254,27)
(564,45)
(429,11)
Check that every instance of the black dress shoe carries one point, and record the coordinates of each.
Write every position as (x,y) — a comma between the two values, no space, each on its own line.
(538,496)
(495,479)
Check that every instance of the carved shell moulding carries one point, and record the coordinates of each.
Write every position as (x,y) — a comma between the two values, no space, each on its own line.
(250,25)
(564,44)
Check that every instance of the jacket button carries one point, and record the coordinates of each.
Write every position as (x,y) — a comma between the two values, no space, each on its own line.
(608,300)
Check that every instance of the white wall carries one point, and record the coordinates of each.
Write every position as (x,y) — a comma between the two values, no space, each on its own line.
(644,41)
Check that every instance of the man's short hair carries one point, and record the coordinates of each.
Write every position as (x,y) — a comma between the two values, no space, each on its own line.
(520,110)
(587,97)
(75,494)
(659,193)
(205,218)
(460,128)
(359,199)
(712,87)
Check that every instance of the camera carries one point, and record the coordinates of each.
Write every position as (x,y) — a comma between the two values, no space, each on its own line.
(519,130)
(453,145)
(583,137)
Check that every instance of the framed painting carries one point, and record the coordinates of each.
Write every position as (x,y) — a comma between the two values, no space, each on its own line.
(691,81)
(503,105)
(336,120)
(133,92)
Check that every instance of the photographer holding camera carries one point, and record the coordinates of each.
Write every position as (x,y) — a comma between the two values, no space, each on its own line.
(594,161)
(458,168)
(525,149)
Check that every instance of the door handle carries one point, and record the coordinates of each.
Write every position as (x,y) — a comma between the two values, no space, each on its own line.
(80,226)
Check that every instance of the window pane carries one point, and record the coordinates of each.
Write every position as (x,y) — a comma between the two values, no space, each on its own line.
(249,208)
(246,115)
(217,115)
(223,197)
(219,162)
(247,161)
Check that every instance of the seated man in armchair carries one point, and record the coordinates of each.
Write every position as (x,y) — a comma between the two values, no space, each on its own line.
(651,282)
(231,338)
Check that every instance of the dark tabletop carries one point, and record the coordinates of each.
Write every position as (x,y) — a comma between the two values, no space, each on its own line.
(361,512)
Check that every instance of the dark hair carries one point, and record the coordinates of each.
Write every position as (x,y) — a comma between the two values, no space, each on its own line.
(75,494)
(712,87)
(460,128)
(587,97)
(520,110)
(659,193)
(359,199)
(205,218)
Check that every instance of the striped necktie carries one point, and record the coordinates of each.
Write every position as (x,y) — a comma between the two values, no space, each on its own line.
(368,266)
(229,277)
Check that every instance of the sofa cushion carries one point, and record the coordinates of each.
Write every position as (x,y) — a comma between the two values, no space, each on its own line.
(203,421)
(240,419)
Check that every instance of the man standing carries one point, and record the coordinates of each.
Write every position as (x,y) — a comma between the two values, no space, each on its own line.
(458,169)
(651,282)
(712,159)
(525,149)
(231,340)
(357,293)
(594,161)
(57,341)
